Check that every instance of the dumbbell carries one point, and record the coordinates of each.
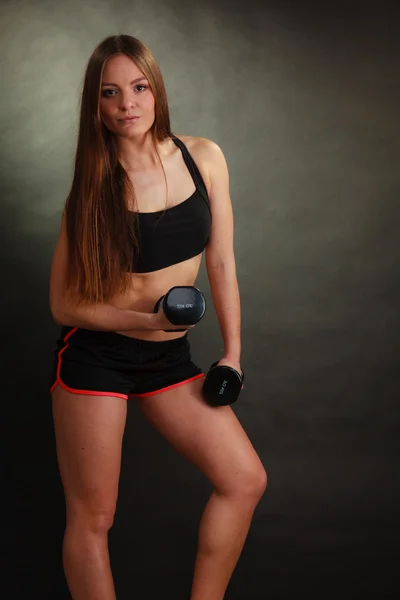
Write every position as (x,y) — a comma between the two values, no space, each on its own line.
(222,385)
(182,305)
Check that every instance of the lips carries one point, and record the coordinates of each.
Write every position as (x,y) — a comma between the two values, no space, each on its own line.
(130,118)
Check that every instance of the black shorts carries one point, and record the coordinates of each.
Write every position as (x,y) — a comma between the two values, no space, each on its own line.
(104,363)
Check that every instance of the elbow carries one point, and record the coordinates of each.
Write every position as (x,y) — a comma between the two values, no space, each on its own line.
(220,259)
(60,315)
(227,265)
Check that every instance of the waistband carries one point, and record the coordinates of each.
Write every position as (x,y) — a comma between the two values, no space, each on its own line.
(107,338)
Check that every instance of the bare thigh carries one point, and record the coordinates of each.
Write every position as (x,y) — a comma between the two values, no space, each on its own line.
(89,432)
(210,437)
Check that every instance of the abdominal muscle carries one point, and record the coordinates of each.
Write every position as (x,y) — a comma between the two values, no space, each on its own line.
(145,289)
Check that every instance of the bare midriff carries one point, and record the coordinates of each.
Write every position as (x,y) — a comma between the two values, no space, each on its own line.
(145,289)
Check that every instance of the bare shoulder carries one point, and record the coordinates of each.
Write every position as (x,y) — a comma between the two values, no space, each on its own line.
(207,155)
(203,147)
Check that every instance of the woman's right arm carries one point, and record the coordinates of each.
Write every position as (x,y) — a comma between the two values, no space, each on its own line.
(102,317)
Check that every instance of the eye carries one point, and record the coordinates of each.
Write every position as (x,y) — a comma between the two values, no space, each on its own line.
(106,93)
(110,93)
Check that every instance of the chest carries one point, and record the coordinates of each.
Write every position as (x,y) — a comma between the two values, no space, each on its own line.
(154,191)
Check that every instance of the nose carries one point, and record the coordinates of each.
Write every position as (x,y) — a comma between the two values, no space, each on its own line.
(126,101)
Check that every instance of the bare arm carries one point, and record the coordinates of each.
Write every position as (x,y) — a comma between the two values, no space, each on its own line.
(103,317)
(220,259)
(106,317)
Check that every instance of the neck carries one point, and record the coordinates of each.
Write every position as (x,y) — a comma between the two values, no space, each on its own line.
(139,153)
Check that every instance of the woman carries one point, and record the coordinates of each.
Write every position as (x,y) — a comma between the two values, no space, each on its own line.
(123,244)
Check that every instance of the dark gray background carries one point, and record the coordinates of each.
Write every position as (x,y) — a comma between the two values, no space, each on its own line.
(303,98)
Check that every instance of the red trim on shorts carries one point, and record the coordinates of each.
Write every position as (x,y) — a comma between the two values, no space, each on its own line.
(169,387)
(87,392)
(58,381)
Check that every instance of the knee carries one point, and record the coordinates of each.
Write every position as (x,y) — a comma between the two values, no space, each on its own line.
(249,484)
(90,518)
(254,482)
(100,522)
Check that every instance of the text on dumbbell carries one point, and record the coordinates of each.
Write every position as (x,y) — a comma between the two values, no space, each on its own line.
(221,391)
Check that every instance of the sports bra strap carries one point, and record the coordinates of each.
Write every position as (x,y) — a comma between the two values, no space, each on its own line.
(193,169)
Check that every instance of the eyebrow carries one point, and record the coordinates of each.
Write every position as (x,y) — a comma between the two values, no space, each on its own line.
(132,82)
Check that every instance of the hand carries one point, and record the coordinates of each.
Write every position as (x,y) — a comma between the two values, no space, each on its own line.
(161,322)
(223,382)
(230,362)
(178,304)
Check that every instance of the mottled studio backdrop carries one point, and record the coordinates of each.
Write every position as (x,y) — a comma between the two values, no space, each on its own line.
(303,98)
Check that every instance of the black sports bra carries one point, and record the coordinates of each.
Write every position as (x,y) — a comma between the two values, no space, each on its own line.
(170,236)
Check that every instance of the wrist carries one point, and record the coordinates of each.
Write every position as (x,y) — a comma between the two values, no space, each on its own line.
(153,322)
(232,356)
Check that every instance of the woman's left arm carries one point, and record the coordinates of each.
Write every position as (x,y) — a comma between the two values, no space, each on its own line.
(220,258)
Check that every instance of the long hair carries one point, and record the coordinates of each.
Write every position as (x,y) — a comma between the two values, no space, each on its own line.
(102,233)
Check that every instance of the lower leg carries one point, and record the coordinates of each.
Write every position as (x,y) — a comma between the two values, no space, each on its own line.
(87,564)
(223,530)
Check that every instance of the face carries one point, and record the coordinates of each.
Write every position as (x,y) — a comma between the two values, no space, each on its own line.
(125,93)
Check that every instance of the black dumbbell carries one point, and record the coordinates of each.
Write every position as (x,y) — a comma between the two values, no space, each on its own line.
(222,385)
(182,305)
